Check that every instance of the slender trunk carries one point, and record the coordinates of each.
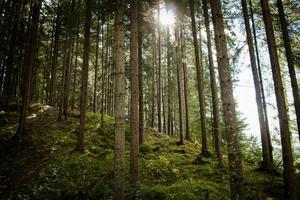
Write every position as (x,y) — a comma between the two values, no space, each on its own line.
(288,167)
(141,78)
(199,73)
(75,69)
(119,102)
(134,90)
(185,86)
(85,70)
(153,81)
(261,80)
(180,78)
(214,93)
(231,129)
(96,66)
(27,70)
(170,88)
(52,92)
(267,162)
(159,78)
(290,60)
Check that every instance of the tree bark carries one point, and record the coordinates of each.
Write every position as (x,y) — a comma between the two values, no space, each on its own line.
(214,93)
(52,92)
(28,69)
(96,66)
(261,80)
(119,101)
(267,161)
(141,78)
(199,73)
(85,70)
(290,60)
(159,77)
(231,129)
(134,90)
(288,167)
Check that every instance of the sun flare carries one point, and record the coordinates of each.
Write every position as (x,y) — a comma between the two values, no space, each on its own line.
(166,17)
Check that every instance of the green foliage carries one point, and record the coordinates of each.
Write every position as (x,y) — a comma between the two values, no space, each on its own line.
(167,170)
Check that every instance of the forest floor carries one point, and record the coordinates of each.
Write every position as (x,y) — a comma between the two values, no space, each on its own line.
(49,168)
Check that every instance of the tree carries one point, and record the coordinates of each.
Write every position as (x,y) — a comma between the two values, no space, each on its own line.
(288,167)
(119,101)
(267,161)
(159,88)
(141,78)
(261,78)
(54,59)
(180,79)
(134,90)
(232,135)
(199,73)
(290,60)
(85,70)
(27,72)
(96,64)
(214,94)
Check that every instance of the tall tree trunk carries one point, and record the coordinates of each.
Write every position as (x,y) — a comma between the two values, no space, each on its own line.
(119,101)
(267,161)
(134,91)
(141,78)
(199,73)
(231,129)
(52,92)
(170,88)
(102,77)
(153,81)
(288,167)
(214,93)
(75,68)
(67,67)
(28,69)
(96,65)
(290,60)
(180,77)
(85,71)
(185,86)
(261,79)
(159,76)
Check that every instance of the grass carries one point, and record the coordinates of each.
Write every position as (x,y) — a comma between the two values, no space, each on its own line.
(167,171)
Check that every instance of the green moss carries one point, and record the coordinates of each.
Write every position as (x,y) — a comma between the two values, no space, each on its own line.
(167,170)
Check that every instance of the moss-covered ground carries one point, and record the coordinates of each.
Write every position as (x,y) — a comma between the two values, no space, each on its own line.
(49,168)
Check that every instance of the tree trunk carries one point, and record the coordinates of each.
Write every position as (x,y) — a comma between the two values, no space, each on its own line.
(261,80)
(75,68)
(180,78)
(141,78)
(28,69)
(159,78)
(119,102)
(214,94)
(96,66)
(288,167)
(231,129)
(170,88)
(134,90)
(52,92)
(67,72)
(185,86)
(267,161)
(290,60)
(199,73)
(85,70)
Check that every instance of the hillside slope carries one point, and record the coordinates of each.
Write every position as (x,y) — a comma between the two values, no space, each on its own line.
(49,168)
